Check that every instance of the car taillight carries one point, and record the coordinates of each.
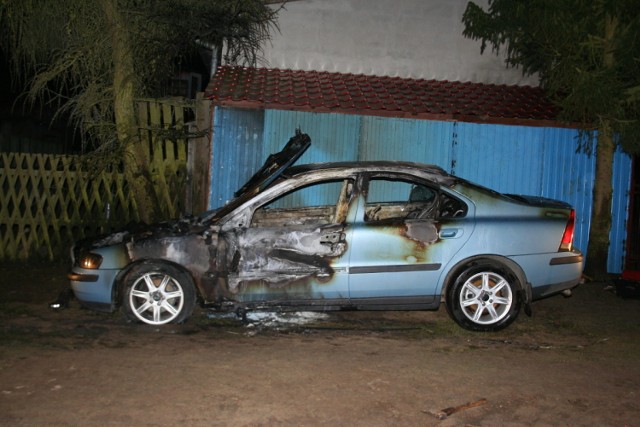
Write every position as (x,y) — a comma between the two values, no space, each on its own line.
(567,238)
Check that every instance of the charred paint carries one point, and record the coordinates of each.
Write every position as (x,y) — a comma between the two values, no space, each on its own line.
(291,285)
(302,274)
(278,258)
(424,233)
(393,243)
(322,264)
(190,251)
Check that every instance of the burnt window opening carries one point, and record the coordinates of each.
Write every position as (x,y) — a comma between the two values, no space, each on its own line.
(395,198)
(450,207)
(319,203)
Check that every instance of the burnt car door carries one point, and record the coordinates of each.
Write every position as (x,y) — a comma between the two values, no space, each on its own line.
(294,247)
(404,233)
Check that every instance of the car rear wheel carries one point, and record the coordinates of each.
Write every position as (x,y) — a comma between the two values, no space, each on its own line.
(157,294)
(484,297)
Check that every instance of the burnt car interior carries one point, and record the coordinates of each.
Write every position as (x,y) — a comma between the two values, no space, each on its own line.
(319,203)
(327,202)
(394,198)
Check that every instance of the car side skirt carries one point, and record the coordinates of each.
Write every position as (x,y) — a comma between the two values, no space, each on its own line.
(423,302)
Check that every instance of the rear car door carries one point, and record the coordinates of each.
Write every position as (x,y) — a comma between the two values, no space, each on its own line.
(404,233)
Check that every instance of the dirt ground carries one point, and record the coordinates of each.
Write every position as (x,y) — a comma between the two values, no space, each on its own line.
(575,362)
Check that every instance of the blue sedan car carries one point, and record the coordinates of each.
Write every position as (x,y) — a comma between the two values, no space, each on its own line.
(378,235)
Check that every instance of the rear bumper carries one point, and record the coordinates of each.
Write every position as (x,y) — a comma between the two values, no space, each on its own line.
(572,259)
(552,273)
(544,291)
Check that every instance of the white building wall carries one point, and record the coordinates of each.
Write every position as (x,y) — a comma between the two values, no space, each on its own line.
(404,38)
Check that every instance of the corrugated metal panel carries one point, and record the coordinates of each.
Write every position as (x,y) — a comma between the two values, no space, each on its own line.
(334,137)
(237,151)
(407,140)
(505,158)
(622,165)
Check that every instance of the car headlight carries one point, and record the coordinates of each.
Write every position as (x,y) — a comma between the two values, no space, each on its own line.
(90,261)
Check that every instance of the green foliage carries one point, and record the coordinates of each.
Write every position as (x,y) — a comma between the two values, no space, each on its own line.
(586,53)
(62,51)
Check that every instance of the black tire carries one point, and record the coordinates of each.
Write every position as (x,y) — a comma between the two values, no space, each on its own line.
(484,297)
(158,293)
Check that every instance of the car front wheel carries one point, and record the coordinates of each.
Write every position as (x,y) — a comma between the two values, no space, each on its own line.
(484,297)
(157,294)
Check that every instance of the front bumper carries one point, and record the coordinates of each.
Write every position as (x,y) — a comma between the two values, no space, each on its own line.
(94,288)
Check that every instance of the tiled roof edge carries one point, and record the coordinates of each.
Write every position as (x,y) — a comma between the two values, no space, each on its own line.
(327,92)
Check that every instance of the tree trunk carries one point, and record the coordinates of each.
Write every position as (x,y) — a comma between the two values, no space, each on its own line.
(136,154)
(598,251)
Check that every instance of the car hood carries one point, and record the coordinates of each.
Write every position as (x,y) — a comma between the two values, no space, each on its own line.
(273,167)
(139,231)
(276,164)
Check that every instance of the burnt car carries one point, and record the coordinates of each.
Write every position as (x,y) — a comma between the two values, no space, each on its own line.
(374,235)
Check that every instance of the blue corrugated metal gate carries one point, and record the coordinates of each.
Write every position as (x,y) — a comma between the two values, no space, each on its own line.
(510,159)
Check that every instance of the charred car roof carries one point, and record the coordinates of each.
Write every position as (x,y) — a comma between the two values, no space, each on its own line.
(432,172)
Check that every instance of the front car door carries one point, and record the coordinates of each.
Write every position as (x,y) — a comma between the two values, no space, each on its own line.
(294,247)
(404,233)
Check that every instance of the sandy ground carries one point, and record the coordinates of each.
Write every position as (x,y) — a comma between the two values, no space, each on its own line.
(575,362)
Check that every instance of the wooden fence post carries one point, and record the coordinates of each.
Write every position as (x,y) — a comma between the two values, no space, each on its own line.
(201,158)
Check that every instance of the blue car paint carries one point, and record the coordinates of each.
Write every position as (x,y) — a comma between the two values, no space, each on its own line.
(383,252)
(98,292)
(95,287)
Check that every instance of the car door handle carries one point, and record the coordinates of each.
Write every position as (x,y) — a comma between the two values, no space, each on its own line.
(331,238)
(449,233)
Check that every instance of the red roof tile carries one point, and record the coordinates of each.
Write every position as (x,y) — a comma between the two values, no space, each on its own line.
(322,91)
